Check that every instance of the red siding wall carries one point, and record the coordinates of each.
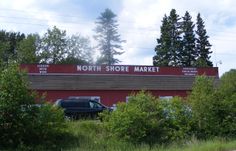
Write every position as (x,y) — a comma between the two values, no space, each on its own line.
(107,97)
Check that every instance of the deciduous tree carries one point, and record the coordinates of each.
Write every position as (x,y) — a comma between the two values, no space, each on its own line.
(78,50)
(27,50)
(53,46)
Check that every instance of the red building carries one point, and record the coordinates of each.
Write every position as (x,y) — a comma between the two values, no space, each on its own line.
(111,84)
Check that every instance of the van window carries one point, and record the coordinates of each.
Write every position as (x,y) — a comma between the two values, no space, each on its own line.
(94,98)
(94,105)
(74,103)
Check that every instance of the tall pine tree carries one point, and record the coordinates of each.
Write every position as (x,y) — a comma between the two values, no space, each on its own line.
(178,45)
(162,57)
(203,46)
(175,32)
(109,41)
(188,54)
(169,44)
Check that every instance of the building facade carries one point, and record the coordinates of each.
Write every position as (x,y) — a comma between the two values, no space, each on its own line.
(112,83)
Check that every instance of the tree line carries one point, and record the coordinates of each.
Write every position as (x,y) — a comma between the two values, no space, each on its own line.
(56,47)
(53,47)
(178,45)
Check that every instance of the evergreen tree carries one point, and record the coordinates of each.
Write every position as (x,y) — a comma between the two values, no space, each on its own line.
(162,57)
(169,44)
(175,32)
(203,46)
(109,41)
(178,45)
(188,54)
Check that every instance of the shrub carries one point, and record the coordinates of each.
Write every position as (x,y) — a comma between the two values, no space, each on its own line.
(46,126)
(227,97)
(213,108)
(204,103)
(13,95)
(147,119)
(21,121)
(178,118)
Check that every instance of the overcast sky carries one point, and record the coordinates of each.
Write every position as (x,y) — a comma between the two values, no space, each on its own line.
(139,22)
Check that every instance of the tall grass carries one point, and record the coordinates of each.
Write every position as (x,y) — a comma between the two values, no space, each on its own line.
(91,136)
(209,145)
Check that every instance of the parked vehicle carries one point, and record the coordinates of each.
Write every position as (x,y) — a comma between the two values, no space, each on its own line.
(81,108)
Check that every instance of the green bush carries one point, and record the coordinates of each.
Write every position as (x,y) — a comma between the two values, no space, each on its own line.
(178,118)
(13,95)
(47,125)
(21,121)
(227,97)
(204,106)
(147,119)
(214,109)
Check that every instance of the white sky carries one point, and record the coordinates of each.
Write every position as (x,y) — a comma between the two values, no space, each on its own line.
(139,22)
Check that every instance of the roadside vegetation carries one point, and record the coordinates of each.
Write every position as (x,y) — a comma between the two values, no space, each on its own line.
(22,122)
(89,135)
(208,112)
(206,120)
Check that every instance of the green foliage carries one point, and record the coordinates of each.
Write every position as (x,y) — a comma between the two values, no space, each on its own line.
(178,119)
(228,83)
(78,51)
(13,94)
(162,57)
(91,136)
(227,97)
(169,45)
(8,45)
(147,119)
(47,126)
(4,46)
(26,50)
(53,46)
(177,45)
(203,45)
(21,121)
(188,54)
(213,109)
(204,105)
(108,39)
(200,62)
